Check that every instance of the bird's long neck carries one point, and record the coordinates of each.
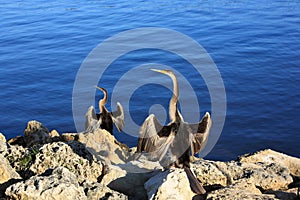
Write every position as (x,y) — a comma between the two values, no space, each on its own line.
(174,99)
(103,101)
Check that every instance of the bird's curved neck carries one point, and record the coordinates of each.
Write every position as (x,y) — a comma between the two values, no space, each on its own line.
(174,99)
(103,101)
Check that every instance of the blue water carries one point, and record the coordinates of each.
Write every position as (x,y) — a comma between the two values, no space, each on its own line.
(255,45)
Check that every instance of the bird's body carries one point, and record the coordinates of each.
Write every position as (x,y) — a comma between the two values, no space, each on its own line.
(105,119)
(174,143)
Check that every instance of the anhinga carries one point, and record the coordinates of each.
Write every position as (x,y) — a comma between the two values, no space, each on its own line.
(176,142)
(104,119)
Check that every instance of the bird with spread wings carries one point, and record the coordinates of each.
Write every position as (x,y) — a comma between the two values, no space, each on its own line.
(104,119)
(175,143)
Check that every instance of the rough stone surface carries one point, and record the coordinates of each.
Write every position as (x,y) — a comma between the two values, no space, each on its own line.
(103,145)
(270,156)
(69,136)
(170,184)
(60,154)
(2,138)
(266,176)
(239,190)
(36,133)
(208,174)
(131,184)
(6,171)
(96,166)
(61,184)
(96,191)
(3,145)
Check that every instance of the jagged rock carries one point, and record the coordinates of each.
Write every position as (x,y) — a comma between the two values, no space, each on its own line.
(170,184)
(2,138)
(270,156)
(54,133)
(239,190)
(19,140)
(54,136)
(61,184)
(6,171)
(3,145)
(103,145)
(18,157)
(36,133)
(141,165)
(60,154)
(208,174)
(265,176)
(291,194)
(69,137)
(131,184)
(96,191)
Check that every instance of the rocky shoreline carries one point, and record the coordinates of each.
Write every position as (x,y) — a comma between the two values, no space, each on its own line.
(44,164)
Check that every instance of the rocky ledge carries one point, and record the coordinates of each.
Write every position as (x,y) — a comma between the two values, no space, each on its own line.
(48,165)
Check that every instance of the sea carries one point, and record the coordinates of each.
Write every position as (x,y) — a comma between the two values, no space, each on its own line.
(253,48)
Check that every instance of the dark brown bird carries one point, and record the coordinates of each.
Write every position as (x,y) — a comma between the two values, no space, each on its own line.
(104,119)
(175,143)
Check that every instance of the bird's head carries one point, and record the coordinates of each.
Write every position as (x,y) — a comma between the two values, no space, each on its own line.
(101,88)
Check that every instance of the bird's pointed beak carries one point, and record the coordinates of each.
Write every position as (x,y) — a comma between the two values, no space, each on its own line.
(158,70)
(99,88)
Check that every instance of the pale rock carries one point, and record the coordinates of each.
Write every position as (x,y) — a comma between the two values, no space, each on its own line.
(18,157)
(104,147)
(61,184)
(266,176)
(131,184)
(60,154)
(239,190)
(3,145)
(54,133)
(2,138)
(69,136)
(170,184)
(141,165)
(96,191)
(208,174)
(6,171)
(270,156)
(36,133)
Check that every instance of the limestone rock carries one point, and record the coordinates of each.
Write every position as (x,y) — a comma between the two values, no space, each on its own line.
(18,157)
(19,140)
(103,145)
(36,133)
(6,171)
(208,173)
(96,191)
(2,138)
(270,156)
(69,136)
(54,136)
(60,154)
(170,184)
(3,145)
(141,165)
(131,184)
(239,190)
(61,184)
(266,176)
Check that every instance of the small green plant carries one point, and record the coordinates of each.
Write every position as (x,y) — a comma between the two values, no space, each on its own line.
(29,158)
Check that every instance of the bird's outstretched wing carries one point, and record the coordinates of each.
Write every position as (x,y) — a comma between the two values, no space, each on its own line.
(153,140)
(118,117)
(91,121)
(200,133)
